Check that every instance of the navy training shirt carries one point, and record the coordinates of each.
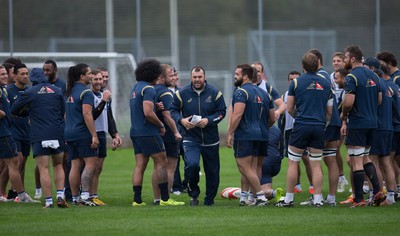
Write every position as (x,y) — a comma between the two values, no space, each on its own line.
(75,126)
(4,106)
(267,105)
(20,127)
(335,118)
(365,85)
(45,105)
(312,93)
(164,95)
(249,128)
(140,126)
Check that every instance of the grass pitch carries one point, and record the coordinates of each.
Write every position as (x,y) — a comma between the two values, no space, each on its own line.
(224,218)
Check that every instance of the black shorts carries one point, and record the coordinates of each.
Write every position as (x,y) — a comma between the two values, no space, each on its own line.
(245,148)
(382,143)
(39,150)
(172,149)
(8,148)
(359,137)
(304,136)
(81,149)
(332,133)
(148,145)
(262,148)
(24,147)
(102,144)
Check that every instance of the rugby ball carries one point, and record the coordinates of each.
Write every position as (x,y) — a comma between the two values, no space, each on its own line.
(231,193)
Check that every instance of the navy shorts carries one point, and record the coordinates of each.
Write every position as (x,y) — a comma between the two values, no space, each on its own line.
(102,144)
(332,133)
(359,137)
(262,148)
(81,149)
(396,143)
(24,147)
(304,136)
(8,148)
(172,149)
(38,150)
(269,170)
(148,145)
(245,148)
(287,135)
(382,143)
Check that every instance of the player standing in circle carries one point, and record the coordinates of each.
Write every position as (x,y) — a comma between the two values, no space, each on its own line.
(359,121)
(310,102)
(44,103)
(80,133)
(146,131)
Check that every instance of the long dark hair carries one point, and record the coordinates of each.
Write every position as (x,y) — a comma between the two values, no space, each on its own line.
(74,73)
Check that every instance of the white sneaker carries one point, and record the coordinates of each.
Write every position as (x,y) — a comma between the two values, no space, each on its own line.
(4,199)
(38,195)
(342,185)
(27,199)
(309,201)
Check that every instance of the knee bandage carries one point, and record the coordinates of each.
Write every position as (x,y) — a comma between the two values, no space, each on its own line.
(329,152)
(294,156)
(366,152)
(356,152)
(315,156)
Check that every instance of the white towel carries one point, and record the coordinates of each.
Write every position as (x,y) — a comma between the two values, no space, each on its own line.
(54,144)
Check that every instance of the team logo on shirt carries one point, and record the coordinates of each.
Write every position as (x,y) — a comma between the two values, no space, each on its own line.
(258,99)
(45,89)
(315,86)
(70,99)
(370,83)
(49,90)
(208,100)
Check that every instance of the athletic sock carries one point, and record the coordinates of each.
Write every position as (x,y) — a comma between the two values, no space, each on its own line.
(358,177)
(298,186)
(251,197)
(75,198)
(164,191)
(289,197)
(60,193)
(331,198)
(38,191)
(49,201)
(342,177)
(243,196)
(390,196)
(261,196)
(137,194)
(22,195)
(370,171)
(274,194)
(318,198)
(85,195)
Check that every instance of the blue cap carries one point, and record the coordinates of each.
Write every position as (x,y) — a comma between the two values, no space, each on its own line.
(373,62)
(37,76)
